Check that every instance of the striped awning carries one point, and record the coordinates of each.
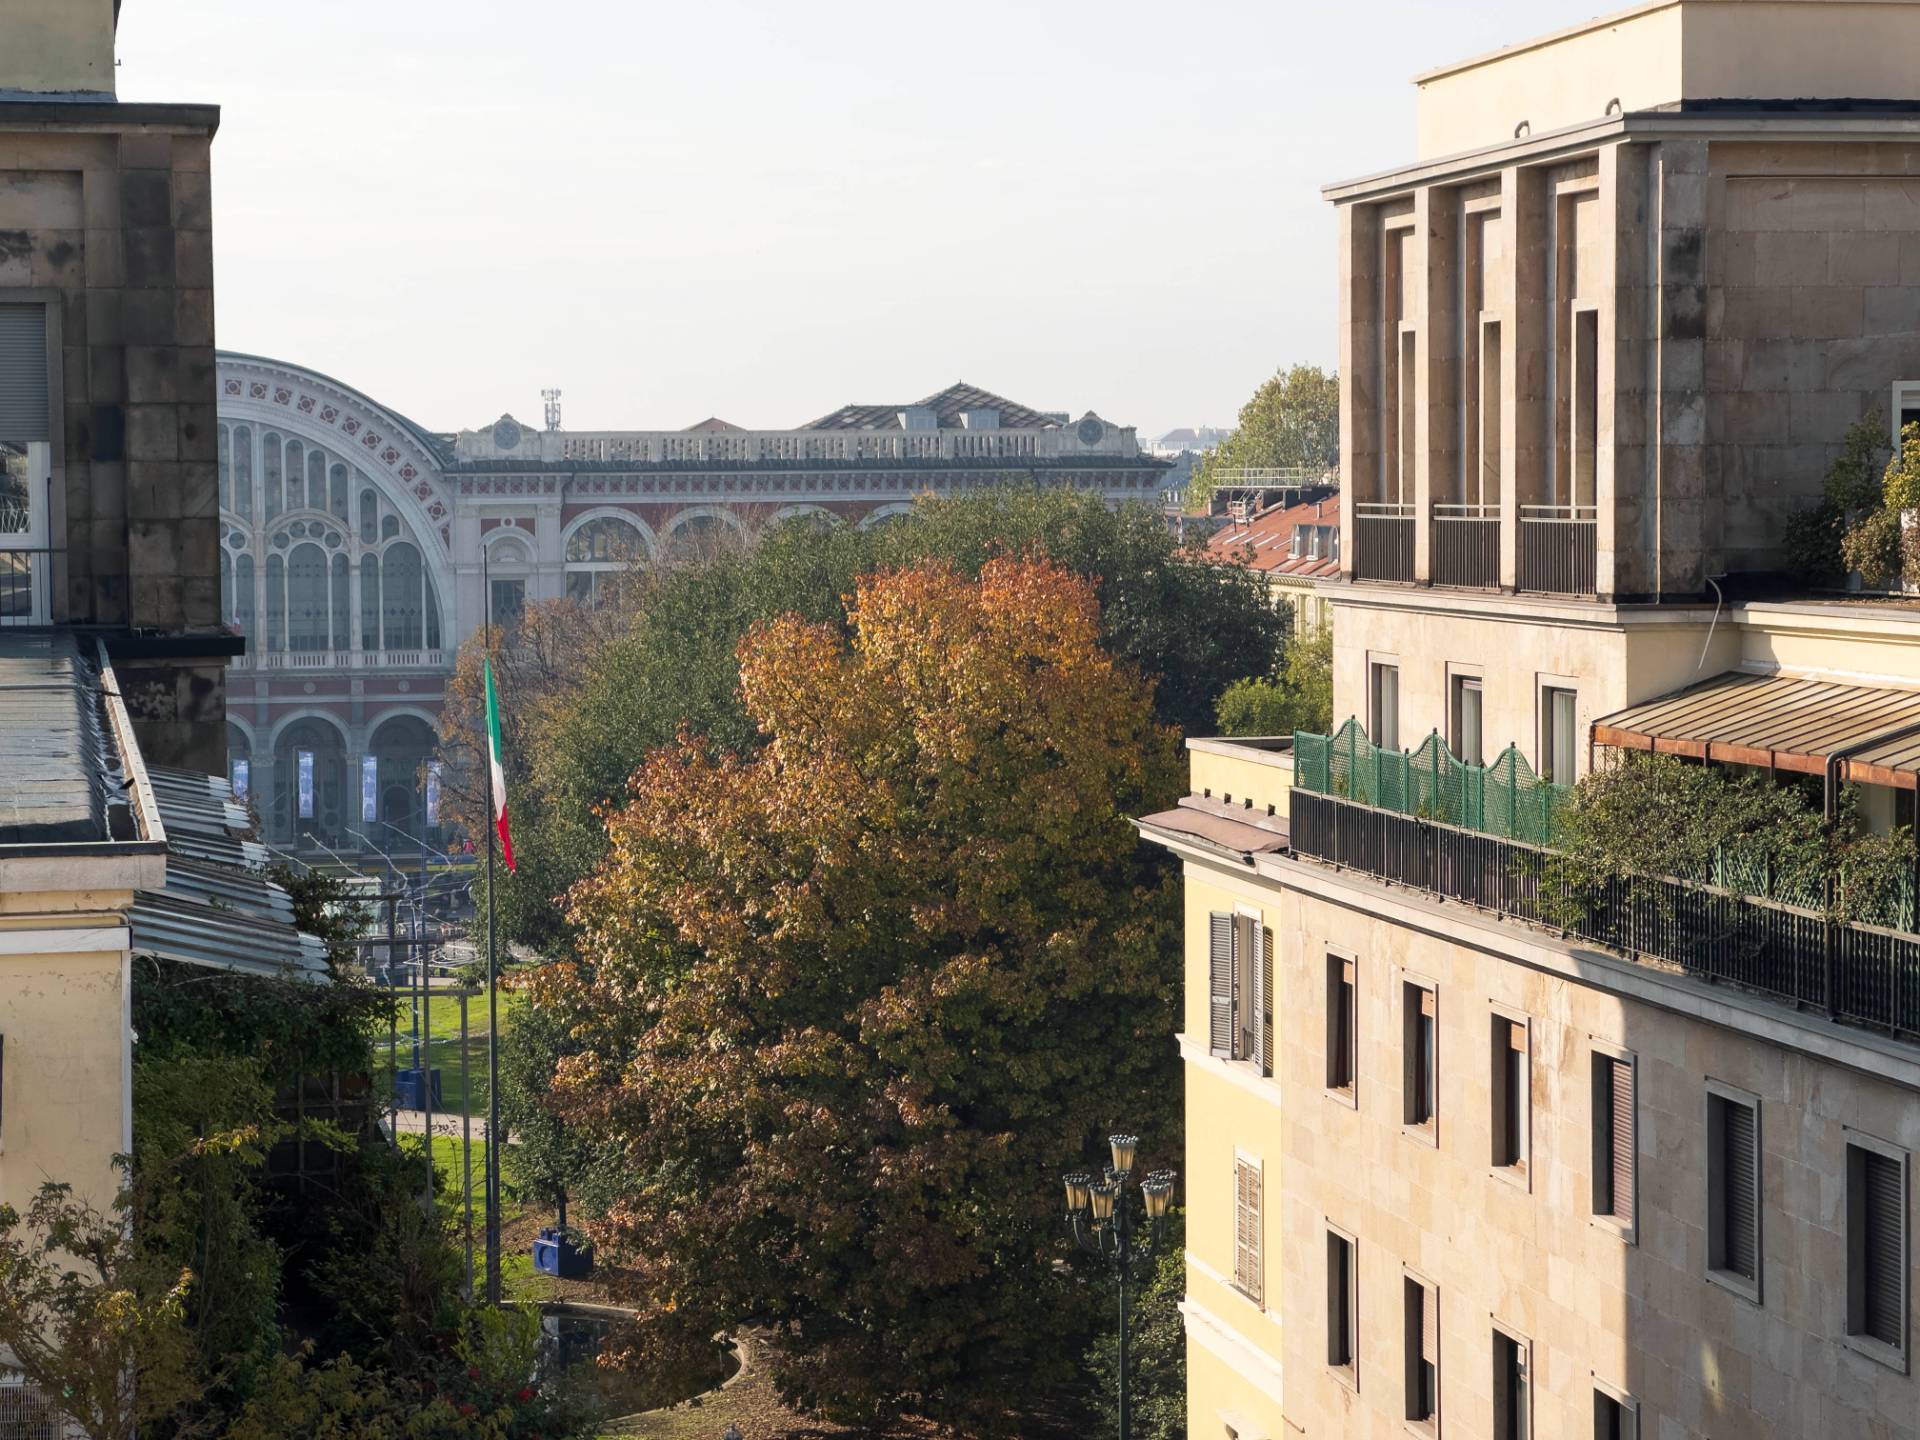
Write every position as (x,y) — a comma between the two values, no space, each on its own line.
(1784,722)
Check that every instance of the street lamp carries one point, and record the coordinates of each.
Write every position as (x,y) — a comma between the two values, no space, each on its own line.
(1102,1219)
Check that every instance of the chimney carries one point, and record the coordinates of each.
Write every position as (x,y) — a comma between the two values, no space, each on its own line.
(57,49)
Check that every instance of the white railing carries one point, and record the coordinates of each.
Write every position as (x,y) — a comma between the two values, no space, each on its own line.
(337,660)
(750,446)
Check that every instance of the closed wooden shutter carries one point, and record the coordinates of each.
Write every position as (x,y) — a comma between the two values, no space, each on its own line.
(23,373)
(1220,971)
(1620,1139)
(1265,937)
(1246,1228)
(1883,1251)
(1742,1222)
(1429,1326)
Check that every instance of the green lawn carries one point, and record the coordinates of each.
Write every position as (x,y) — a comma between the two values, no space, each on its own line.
(443,1045)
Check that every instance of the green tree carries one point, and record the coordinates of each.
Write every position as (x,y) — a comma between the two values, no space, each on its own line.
(1293,419)
(846,999)
(1300,697)
(84,1317)
(1156,1349)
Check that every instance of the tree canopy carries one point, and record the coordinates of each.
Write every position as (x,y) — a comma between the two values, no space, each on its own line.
(1293,419)
(845,1001)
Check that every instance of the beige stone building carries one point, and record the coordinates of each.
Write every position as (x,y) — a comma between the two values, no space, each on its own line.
(1452,1172)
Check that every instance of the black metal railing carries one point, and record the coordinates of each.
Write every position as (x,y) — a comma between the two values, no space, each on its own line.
(1466,546)
(1854,972)
(26,585)
(1558,549)
(1383,541)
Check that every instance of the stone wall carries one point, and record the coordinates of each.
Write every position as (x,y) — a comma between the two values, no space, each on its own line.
(106,215)
(1813,311)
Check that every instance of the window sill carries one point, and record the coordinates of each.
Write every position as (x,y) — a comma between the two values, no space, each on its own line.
(1879,1352)
(1736,1283)
(1427,1134)
(1623,1232)
(1517,1177)
(1246,1295)
(1342,1095)
(1345,1376)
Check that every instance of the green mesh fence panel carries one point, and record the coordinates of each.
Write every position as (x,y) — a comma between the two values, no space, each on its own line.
(1505,798)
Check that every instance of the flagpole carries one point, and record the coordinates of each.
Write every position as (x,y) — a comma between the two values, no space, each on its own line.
(493,992)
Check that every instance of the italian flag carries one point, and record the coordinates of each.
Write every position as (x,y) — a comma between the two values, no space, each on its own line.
(496,771)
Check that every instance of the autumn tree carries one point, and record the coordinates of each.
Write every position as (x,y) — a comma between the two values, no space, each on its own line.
(1292,420)
(846,1001)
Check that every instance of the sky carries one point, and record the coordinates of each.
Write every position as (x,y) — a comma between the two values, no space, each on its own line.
(766,210)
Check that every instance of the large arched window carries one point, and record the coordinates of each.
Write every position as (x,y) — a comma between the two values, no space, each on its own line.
(296,475)
(598,551)
(694,537)
(243,502)
(327,789)
(308,607)
(242,609)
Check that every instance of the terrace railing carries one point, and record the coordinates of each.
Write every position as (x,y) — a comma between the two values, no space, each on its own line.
(1383,541)
(1466,546)
(1559,549)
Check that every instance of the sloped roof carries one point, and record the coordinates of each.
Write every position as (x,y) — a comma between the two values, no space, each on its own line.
(714,425)
(54,755)
(946,404)
(1265,542)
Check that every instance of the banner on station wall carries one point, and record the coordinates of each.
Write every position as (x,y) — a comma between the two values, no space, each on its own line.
(369,788)
(304,759)
(433,792)
(240,779)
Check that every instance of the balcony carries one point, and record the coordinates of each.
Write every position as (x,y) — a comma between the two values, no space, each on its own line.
(1858,973)
(339,660)
(1383,542)
(1466,546)
(1558,549)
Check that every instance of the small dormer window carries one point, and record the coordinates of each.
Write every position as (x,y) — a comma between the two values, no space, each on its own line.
(1334,531)
(1294,543)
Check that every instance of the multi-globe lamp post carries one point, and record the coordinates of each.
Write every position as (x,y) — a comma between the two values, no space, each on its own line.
(1101,1214)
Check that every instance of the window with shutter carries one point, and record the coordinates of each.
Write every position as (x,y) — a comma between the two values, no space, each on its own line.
(1510,1094)
(1246,1227)
(1220,984)
(1422,1352)
(1733,1191)
(1242,988)
(23,374)
(1877,1246)
(1264,937)
(1512,1398)
(1342,1337)
(1420,1062)
(1614,1138)
(1341,1024)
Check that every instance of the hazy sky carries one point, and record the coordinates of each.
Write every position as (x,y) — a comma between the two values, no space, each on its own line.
(764,210)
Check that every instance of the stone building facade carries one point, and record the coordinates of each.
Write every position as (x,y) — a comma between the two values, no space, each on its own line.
(1451,1171)
(109,516)
(352,543)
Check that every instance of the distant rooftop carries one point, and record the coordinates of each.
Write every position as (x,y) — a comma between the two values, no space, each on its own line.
(949,408)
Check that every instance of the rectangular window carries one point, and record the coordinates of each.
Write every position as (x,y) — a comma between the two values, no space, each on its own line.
(1420,1048)
(1614,1416)
(1342,1024)
(1613,1138)
(1465,720)
(1511,1091)
(1559,734)
(1343,1331)
(1877,1256)
(1409,433)
(1733,1190)
(1247,1273)
(1422,1352)
(1384,704)
(1512,1387)
(1240,980)
(1220,973)
(25,466)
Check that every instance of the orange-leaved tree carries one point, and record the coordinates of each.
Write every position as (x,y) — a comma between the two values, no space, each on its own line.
(849,1003)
